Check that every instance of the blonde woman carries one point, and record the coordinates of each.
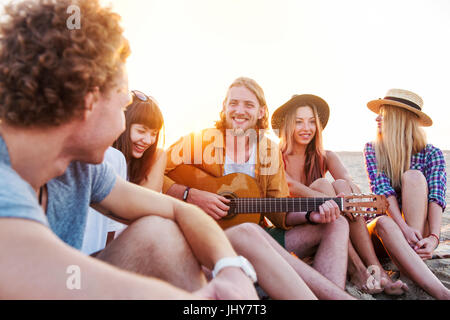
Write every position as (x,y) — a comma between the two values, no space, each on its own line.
(411,174)
(300,122)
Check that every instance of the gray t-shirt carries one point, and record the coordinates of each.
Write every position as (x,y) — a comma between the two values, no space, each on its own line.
(69,196)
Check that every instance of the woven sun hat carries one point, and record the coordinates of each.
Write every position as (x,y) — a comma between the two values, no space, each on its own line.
(300,101)
(404,99)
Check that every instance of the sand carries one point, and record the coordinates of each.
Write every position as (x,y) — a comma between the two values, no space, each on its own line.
(439,265)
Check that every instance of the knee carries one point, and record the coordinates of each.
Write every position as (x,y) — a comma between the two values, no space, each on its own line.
(322,182)
(153,231)
(384,226)
(413,177)
(322,185)
(340,184)
(338,227)
(244,232)
(341,224)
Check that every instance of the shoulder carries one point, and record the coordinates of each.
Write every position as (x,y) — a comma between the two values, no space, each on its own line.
(331,158)
(160,154)
(431,149)
(369,149)
(267,140)
(17,197)
(114,154)
(433,153)
(117,160)
(205,136)
(369,146)
(331,155)
(12,183)
(82,175)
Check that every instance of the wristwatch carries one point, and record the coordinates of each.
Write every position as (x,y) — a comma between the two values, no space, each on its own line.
(239,262)
(308,219)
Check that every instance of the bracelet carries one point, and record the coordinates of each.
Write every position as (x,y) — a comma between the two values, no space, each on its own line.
(308,219)
(433,235)
(186,194)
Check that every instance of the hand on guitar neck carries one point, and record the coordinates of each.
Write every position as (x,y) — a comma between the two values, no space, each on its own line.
(328,212)
(237,198)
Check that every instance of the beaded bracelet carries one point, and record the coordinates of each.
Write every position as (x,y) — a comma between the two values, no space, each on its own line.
(433,235)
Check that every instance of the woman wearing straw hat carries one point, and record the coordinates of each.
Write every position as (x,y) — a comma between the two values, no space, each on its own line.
(411,174)
(300,122)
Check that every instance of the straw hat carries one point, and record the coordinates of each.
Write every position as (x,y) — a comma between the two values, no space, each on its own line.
(298,101)
(404,99)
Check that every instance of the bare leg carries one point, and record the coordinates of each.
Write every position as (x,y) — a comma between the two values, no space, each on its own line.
(360,275)
(154,246)
(415,200)
(322,287)
(362,255)
(324,186)
(331,241)
(278,279)
(406,258)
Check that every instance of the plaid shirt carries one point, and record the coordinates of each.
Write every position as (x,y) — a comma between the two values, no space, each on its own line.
(430,161)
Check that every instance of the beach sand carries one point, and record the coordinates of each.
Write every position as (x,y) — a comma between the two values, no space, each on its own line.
(439,265)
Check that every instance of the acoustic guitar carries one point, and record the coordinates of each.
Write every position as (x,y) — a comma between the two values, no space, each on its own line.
(248,205)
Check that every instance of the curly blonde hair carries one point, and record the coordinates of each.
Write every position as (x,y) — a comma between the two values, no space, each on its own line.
(46,69)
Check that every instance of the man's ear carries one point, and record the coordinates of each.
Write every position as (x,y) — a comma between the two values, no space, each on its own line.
(90,100)
(261,112)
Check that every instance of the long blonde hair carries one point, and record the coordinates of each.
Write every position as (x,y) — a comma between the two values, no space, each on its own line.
(400,138)
(315,164)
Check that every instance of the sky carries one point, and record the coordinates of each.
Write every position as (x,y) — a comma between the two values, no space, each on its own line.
(186,53)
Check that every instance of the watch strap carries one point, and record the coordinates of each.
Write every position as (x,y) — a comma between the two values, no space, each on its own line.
(186,194)
(308,218)
(239,262)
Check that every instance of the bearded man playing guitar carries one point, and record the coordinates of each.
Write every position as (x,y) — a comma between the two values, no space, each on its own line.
(238,144)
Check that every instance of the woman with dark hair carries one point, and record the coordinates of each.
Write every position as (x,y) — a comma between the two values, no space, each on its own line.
(145,164)
(139,142)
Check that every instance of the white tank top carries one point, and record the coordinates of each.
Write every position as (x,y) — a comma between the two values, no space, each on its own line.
(248,167)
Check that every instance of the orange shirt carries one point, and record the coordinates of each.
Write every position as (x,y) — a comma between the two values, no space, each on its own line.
(206,150)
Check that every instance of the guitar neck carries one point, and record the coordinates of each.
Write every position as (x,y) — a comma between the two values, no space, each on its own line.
(270,205)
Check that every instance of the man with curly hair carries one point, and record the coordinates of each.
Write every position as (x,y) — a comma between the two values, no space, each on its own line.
(62,95)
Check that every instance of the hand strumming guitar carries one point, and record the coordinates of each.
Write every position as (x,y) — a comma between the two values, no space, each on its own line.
(213,204)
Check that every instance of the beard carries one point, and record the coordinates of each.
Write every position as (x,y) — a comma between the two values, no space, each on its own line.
(239,131)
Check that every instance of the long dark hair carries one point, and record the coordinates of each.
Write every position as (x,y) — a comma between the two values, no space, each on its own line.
(148,114)
(315,159)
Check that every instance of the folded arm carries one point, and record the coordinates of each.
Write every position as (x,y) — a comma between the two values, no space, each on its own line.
(206,238)
(35,265)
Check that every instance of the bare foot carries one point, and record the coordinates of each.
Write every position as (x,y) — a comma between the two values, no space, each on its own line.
(395,288)
(365,282)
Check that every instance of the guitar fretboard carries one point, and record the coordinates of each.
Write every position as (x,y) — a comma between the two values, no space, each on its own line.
(270,205)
